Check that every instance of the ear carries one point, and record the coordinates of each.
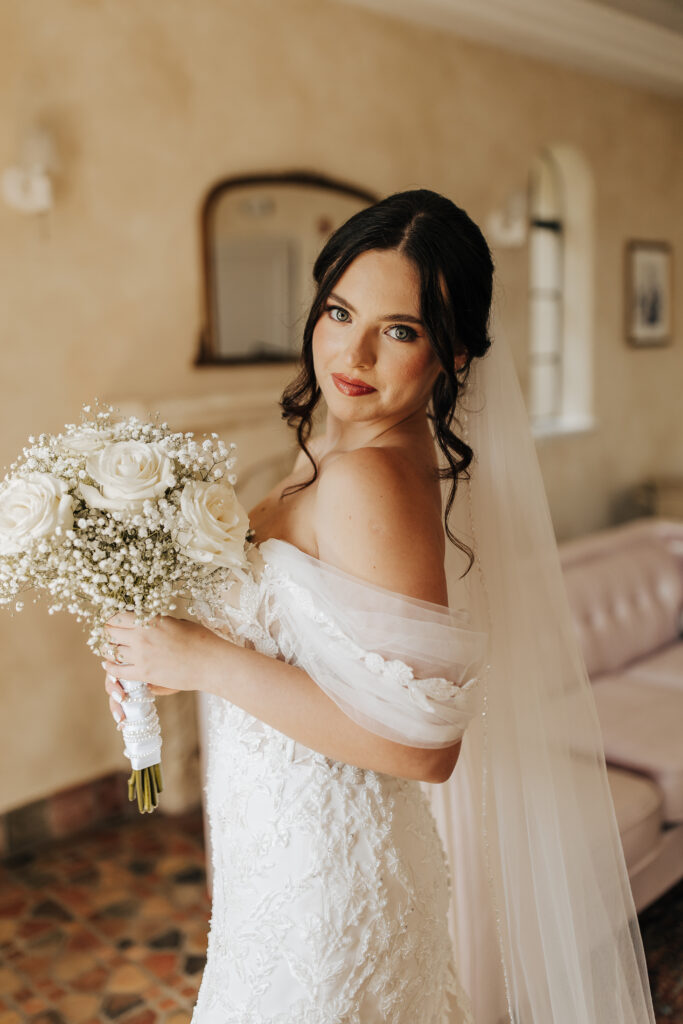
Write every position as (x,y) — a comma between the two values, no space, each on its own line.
(460,361)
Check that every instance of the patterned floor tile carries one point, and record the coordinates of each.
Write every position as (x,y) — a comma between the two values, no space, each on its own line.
(106,928)
(662,930)
(111,928)
(128,978)
(10,1017)
(77,1007)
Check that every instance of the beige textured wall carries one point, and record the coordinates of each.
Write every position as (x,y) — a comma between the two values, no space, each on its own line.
(152,102)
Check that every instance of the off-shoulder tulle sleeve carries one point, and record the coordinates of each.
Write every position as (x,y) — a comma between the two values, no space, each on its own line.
(403,668)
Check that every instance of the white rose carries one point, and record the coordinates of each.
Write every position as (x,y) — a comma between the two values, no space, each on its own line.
(128,473)
(31,507)
(84,441)
(217,522)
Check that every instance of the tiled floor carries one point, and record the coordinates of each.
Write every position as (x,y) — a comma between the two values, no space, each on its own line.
(107,927)
(112,927)
(661,926)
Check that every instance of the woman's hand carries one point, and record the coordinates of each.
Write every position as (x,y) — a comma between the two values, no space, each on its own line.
(117,695)
(168,655)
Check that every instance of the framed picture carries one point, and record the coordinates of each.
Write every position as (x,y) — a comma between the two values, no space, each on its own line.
(648,287)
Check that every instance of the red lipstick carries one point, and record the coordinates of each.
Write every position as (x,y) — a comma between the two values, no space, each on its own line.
(351,385)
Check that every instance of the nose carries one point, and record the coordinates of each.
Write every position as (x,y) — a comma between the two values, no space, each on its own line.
(360,348)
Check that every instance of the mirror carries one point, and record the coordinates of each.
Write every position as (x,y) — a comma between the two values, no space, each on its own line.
(260,238)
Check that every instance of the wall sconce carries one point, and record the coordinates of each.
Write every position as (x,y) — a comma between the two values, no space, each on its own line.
(27,186)
(507,226)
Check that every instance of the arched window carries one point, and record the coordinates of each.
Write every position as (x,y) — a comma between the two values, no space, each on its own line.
(546,290)
(561,284)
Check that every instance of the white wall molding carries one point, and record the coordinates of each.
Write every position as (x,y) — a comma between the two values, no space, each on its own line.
(576,33)
(219,411)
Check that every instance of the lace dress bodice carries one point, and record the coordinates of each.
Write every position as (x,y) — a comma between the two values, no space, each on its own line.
(330,882)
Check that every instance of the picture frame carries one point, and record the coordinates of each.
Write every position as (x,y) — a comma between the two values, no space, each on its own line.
(648,299)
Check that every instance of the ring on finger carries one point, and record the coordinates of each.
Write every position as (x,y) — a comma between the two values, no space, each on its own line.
(118,657)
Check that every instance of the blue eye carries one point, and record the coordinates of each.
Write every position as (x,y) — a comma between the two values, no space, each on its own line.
(409,336)
(341,310)
(409,333)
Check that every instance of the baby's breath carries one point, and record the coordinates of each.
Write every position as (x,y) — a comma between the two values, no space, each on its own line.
(111,560)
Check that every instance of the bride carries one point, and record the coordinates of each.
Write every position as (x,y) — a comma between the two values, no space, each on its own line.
(343,688)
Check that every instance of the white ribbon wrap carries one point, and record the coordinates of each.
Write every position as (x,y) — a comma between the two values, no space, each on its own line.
(141,730)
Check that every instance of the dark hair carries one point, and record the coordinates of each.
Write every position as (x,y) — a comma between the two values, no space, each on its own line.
(450,252)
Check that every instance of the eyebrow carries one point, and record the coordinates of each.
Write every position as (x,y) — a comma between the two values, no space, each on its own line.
(388,316)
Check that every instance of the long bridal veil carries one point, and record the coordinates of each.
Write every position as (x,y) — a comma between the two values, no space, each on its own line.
(543,919)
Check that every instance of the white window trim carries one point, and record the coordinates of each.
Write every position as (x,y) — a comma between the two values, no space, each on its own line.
(577,413)
(564,427)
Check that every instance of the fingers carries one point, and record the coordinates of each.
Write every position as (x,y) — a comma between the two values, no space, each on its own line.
(124,620)
(160,691)
(117,695)
(117,711)
(113,687)
(120,671)
(118,635)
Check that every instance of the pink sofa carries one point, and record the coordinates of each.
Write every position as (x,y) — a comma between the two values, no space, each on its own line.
(625,587)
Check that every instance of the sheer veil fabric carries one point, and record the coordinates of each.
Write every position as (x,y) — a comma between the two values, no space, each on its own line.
(542,917)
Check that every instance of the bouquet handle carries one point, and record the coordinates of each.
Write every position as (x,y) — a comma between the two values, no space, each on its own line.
(142,737)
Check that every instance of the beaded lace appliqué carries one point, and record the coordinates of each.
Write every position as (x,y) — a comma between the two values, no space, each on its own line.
(420,690)
(331,884)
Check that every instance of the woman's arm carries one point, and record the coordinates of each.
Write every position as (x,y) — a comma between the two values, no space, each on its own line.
(373,520)
(376,518)
(182,655)
(286,697)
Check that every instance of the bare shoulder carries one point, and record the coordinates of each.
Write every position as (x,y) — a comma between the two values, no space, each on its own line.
(377,519)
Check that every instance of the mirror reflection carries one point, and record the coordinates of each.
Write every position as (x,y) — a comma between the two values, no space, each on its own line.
(261,236)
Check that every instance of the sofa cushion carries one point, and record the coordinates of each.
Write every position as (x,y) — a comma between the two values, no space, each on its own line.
(638,807)
(664,667)
(625,597)
(642,729)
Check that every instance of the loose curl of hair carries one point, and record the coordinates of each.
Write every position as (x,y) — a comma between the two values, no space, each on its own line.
(455,269)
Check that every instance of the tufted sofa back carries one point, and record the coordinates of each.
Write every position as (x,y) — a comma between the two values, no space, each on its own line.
(625,588)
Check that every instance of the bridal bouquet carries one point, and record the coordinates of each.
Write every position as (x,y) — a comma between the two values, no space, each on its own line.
(121,516)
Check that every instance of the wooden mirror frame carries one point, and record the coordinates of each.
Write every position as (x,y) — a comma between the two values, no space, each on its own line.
(208,351)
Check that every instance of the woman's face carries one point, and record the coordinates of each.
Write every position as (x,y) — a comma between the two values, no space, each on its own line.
(370,331)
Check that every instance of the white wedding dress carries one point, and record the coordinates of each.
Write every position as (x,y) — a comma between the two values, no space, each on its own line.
(331,886)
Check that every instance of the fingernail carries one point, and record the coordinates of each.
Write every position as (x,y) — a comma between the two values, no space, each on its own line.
(118,715)
(116,695)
